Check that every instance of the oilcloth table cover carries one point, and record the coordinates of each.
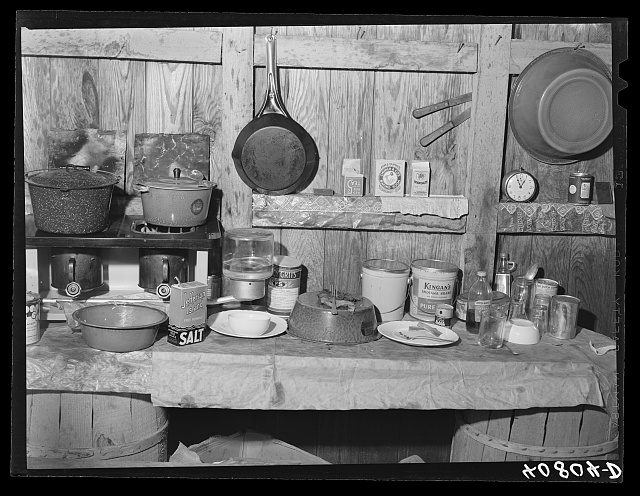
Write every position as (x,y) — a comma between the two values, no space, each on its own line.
(63,361)
(286,373)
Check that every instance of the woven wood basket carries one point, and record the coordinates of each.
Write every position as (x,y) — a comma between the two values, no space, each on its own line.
(583,432)
(99,426)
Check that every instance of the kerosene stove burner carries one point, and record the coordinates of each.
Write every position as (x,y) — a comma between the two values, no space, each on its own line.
(144,227)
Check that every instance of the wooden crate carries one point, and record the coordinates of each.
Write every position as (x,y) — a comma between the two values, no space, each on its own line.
(534,434)
(95,426)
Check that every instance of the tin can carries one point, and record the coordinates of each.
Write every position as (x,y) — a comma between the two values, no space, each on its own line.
(33,317)
(284,285)
(444,314)
(432,282)
(563,315)
(580,188)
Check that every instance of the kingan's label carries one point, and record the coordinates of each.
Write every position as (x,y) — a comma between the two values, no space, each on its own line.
(430,293)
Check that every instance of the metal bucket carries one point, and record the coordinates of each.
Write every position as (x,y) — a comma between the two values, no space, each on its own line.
(432,282)
(385,282)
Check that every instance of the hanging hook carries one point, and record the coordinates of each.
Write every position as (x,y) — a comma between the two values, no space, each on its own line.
(497,39)
(578,46)
(460,47)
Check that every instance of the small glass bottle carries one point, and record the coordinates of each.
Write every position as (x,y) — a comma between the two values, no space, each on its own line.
(502,278)
(479,300)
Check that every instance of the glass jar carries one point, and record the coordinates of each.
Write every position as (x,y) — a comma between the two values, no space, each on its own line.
(521,293)
(540,318)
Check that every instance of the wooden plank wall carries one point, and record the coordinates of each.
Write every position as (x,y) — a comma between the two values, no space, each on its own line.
(584,265)
(350,114)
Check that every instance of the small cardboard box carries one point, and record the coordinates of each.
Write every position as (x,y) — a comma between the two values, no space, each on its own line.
(420,179)
(354,185)
(390,177)
(187,313)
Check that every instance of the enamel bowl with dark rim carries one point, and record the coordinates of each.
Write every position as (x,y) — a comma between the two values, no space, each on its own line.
(119,327)
(560,108)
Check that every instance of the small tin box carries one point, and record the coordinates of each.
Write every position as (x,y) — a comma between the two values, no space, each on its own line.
(354,185)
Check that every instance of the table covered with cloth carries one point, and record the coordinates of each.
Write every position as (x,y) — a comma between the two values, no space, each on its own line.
(287,373)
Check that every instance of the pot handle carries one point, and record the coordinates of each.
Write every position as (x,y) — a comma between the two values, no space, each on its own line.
(71,270)
(141,188)
(165,270)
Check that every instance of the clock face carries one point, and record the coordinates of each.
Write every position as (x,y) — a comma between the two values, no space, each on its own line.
(520,187)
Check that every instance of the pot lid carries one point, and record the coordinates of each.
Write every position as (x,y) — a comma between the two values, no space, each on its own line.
(195,181)
(386,265)
(67,179)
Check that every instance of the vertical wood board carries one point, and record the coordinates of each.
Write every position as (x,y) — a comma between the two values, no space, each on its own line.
(488,120)
(36,99)
(121,98)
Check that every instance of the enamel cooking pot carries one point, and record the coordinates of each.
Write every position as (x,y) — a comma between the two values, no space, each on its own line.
(177,201)
(71,200)
(560,108)
(76,272)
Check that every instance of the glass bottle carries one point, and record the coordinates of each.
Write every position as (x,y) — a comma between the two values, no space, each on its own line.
(479,300)
(520,304)
(502,279)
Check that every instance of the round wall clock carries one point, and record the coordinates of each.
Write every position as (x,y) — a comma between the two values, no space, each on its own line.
(520,186)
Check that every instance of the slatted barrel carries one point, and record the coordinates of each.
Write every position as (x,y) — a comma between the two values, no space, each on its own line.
(583,432)
(95,426)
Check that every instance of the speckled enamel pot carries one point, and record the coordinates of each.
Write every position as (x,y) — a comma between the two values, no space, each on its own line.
(70,201)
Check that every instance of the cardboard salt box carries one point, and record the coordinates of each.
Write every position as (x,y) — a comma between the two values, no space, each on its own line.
(187,313)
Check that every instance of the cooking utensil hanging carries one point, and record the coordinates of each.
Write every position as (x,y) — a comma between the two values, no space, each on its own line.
(274,154)
(435,107)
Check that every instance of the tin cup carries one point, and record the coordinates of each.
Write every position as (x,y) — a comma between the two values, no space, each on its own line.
(562,316)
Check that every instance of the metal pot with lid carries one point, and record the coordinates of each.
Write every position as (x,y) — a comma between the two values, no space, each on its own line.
(71,200)
(353,322)
(177,201)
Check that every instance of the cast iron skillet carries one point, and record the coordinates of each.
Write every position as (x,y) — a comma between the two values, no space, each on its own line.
(274,154)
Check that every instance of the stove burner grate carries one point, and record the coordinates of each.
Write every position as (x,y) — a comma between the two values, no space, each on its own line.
(146,228)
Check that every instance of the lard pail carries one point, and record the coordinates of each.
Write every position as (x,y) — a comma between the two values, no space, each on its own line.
(384,283)
(432,282)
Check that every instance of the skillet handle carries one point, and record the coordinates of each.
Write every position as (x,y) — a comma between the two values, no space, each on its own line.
(272,100)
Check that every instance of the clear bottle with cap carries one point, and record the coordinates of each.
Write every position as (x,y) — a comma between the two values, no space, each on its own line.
(479,300)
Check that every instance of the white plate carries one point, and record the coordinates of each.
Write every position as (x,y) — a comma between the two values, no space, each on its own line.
(392,330)
(219,322)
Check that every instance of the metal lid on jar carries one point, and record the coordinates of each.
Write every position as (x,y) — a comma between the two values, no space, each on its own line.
(386,265)
(496,297)
(286,261)
(70,178)
(433,265)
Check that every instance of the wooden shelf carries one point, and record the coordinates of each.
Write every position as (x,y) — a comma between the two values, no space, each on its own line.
(446,214)
(556,218)
(119,234)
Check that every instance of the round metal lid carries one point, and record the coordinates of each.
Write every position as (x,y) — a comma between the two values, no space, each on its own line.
(181,184)
(386,265)
(286,261)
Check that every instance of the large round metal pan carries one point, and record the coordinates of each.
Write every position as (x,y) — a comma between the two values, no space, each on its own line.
(560,108)
(274,154)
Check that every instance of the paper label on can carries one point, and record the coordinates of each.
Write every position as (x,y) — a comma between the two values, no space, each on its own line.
(430,293)
(33,324)
(479,307)
(572,189)
(283,288)
(585,190)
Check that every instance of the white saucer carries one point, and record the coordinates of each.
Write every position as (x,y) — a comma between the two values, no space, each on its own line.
(392,330)
(218,322)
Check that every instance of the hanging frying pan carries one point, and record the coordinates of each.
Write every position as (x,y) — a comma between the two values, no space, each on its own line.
(274,154)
